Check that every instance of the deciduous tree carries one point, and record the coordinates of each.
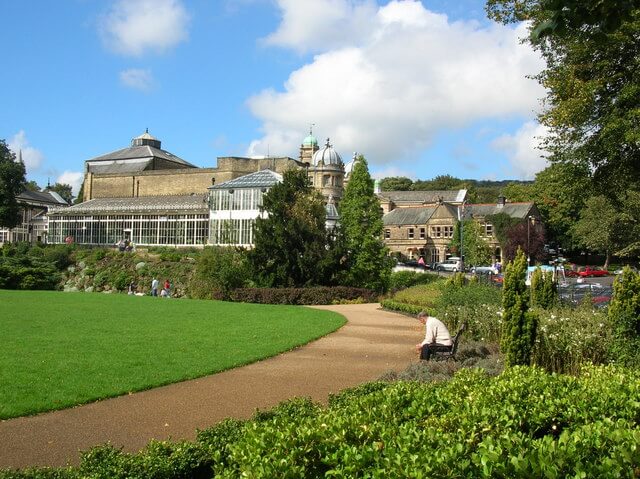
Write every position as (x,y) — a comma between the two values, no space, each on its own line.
(12,183)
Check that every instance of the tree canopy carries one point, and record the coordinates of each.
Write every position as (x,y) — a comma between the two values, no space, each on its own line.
(64,190)
(12,183)
(291,242)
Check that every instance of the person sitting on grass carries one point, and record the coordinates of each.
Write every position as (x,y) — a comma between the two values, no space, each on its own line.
(436,338)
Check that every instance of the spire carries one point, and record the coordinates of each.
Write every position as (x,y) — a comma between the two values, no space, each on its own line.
(20,156)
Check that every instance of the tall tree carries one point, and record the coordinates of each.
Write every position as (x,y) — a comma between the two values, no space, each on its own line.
(291,242)
(368,265)
(592,54)
(12,183)
(64,190)
(597,228)
(32,186)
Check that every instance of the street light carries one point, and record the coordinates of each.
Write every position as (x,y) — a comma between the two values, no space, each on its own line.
(461,220)
(531,220)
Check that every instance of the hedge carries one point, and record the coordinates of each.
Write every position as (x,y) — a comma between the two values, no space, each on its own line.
(302,296)
(523,423)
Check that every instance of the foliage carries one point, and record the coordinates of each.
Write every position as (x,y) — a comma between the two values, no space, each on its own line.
(396,183)
(367,264)
(527,236)
(104,345)
(291,241)
(593,95)
(12,183)
(405,279)
(401,307)
(559,194)
(218,271)
(309,295)
(519,192)
(519,324)
(38,268)
(597,228)
(543,291)
(624,314)
(80,198)
(475,249)
(569,338)
(471,426)
(502,223)
(64,190)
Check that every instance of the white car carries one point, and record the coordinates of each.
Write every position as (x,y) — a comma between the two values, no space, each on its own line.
(453,264)
(484,270)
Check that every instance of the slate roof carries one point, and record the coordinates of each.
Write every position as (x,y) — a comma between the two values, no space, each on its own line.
(142,152)
(515,210)
(448,196)
(49,197)
(259,179)
(192,204)
(409,216)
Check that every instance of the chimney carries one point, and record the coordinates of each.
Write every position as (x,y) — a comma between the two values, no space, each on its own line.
(501,200)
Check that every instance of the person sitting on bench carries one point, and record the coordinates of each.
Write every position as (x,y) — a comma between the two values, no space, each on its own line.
(436,338)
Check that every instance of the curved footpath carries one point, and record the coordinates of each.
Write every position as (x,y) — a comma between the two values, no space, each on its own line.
(371,343)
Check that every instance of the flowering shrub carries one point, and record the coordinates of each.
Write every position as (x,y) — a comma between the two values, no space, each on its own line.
(568,338)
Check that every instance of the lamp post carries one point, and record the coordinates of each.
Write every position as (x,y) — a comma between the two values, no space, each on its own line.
(530,221)
(461,220)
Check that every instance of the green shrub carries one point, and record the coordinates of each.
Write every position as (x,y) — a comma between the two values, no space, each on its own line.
(405,279)
(219,270)
(522,423)
(624,314)
(568,337)
(519,324)
(302,296)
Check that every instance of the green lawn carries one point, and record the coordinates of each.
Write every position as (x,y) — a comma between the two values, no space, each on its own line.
(62,349)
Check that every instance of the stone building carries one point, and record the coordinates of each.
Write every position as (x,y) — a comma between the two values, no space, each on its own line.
(33,226)
(150,196)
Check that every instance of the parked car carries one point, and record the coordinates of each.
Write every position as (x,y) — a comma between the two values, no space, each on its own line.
(453,264)
(592,272)
(410,266)
(619,270)
(484,270)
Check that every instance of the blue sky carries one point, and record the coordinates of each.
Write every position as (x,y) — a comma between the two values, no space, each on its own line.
(420,88)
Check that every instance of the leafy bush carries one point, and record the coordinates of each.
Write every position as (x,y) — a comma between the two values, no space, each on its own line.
(522,423)
(400,307)
(624,314)
(570,337)
(311,295)
(219,270)
(405,279)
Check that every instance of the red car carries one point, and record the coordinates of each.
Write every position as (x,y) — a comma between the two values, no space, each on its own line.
(588,272)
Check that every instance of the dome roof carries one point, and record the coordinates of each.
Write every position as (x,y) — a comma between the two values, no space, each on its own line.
(146,139)
(327,156)
(348,168)
(310,140)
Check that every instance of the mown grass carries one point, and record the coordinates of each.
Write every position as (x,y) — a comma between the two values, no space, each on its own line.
(59,350)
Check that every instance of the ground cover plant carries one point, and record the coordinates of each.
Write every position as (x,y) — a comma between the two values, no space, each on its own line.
(522,423)
(66,349)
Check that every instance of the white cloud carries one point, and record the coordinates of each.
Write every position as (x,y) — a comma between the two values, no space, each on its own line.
(32,157)
(133,27)
(137,78)
(73,178)
(400,76)
(523,149)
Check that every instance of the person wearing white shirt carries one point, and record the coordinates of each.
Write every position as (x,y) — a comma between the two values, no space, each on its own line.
(436,338)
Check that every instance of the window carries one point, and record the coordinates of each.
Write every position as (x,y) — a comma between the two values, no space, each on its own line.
(387,234)
(436,232)
(422,233)
(447,231)
(488,230)
(410,233)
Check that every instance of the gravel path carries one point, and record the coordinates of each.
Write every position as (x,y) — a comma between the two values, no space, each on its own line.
(371,343)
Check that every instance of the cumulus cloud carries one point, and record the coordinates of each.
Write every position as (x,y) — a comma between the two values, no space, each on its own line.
(73,178)
(31,156)
(133,27)
(399,76)
(523,149)
(137,78)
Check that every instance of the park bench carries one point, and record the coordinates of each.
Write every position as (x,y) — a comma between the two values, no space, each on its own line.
(445,355)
